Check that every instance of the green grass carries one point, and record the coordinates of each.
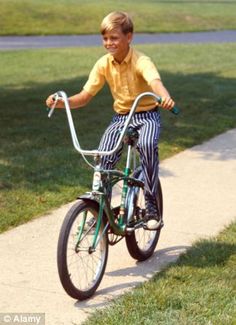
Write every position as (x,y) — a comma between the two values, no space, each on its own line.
(30,17)
(40,170)
(200,289)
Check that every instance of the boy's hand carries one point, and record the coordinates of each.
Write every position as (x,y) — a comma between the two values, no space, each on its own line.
(167,103)
(159,89)
(50,102)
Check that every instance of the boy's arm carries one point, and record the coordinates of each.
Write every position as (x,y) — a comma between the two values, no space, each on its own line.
(79,100)
(159,89)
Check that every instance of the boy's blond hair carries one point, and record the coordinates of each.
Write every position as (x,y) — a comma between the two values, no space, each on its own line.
(116,20)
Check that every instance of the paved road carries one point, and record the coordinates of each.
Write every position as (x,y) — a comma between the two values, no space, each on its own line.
(27,42)
(199,200)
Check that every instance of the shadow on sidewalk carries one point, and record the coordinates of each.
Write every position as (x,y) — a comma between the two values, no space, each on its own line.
(145,270)
(203,254)
(153,264)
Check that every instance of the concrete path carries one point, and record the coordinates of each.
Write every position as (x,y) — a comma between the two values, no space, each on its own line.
(199,200)
(27,42)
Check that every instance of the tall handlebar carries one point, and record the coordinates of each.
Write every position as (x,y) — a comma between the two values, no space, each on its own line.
(62,95)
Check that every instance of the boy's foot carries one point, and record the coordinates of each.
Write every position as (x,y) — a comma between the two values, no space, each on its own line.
(152,219)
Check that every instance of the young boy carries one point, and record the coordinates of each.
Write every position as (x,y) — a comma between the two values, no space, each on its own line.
(128,73)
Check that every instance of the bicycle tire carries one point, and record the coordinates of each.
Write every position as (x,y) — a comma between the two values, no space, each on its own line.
(80,270)
(141,243)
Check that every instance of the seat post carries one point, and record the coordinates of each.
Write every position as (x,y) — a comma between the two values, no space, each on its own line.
(129,153)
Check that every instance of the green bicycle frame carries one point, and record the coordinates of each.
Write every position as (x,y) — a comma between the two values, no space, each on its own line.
(102,198)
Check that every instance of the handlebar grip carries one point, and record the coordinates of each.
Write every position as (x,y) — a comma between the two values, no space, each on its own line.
(175,110)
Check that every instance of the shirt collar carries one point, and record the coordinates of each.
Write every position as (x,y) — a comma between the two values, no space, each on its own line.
(126,59)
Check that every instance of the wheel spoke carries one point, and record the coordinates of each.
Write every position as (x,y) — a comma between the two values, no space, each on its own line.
(142,242)
(84,269)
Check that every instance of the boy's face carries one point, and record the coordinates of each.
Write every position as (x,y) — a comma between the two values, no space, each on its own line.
(117,43)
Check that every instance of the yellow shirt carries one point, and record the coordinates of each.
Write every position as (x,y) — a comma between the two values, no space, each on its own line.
(126,80)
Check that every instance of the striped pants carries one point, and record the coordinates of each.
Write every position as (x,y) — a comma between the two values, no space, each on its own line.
(148,126)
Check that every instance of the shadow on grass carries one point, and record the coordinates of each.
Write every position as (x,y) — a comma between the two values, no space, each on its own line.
(208,253)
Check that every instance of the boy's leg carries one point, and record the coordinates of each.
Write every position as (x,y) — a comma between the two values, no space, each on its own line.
(109,141)
(149,134)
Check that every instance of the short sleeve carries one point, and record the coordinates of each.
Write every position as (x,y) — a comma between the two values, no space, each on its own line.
(95,81)
(147,69)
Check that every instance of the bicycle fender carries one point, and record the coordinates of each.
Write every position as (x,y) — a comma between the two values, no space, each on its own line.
(90,197)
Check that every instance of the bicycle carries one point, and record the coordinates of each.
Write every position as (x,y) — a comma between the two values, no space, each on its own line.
(96,220)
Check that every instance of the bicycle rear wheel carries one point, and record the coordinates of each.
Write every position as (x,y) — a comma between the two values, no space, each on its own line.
(81,269)
(141,243)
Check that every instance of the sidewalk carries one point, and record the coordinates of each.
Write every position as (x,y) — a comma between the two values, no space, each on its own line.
(199,200)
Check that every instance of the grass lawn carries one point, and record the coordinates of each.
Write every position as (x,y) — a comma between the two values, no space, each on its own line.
(82,17)
(39,168)
(200,289)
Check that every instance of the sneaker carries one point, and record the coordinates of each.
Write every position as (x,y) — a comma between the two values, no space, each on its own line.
(152,220)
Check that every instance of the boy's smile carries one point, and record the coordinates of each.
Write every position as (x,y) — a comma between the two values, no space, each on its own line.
(117,43)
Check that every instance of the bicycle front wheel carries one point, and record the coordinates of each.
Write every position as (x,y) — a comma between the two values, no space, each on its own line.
(80,268)
(142,242)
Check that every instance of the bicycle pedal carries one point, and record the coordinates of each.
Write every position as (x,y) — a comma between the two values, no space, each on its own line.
(130,230)
(157,227)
